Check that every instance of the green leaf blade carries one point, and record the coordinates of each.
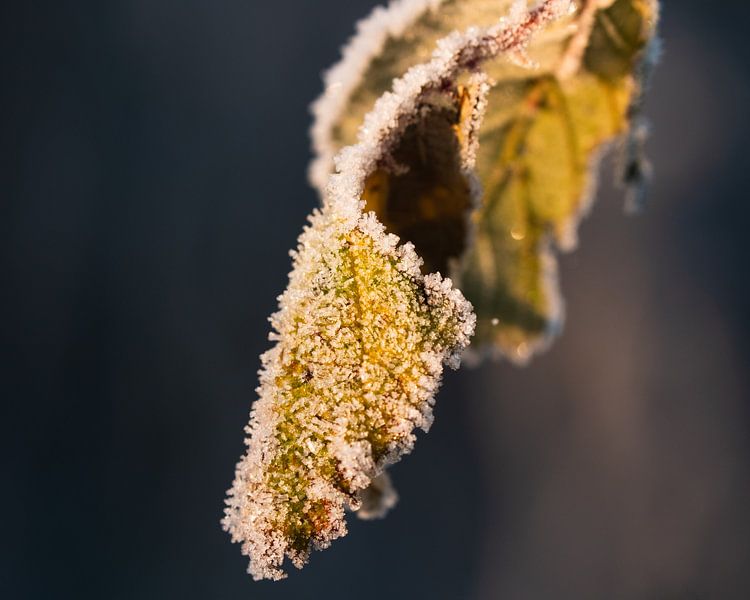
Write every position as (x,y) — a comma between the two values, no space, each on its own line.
(540,144)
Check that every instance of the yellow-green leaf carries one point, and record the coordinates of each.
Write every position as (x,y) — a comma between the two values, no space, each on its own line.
(539,145)
(361,338)
(362,334)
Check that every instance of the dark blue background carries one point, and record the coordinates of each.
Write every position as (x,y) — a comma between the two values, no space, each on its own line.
(153,179)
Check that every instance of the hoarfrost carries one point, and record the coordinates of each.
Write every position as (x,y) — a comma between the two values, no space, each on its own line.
(361,336)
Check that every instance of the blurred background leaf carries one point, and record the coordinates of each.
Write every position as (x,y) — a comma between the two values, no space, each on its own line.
(540,146)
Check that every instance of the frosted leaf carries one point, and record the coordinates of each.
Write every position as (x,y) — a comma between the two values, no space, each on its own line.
(418,144)
(361,338)
(362,334)
(391,41)
(543,134)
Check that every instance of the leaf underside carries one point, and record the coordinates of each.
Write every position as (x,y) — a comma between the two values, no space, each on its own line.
(424,195)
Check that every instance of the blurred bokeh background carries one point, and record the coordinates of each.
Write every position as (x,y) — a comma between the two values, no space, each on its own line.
(153,180)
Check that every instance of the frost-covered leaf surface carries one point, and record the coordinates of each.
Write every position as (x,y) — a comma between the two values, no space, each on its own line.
(362,334)
(361,338)
(545,129)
